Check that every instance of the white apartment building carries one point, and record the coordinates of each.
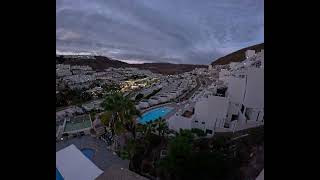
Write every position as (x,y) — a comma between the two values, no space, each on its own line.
(84,68)
(253,98)
(63,70)
(232,65)
(171,88)
(250,53)
(240,107)
(210,113)
(224,75)
(246,95)
(177,122)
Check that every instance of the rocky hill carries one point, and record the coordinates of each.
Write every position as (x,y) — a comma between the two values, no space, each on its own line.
(168,68)
(237,56)
(99,63)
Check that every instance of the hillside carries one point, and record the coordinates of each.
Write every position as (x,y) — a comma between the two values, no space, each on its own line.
(167,68)
(100,63)
(237,56)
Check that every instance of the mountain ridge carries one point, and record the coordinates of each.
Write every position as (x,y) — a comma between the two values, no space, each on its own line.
(237,56)
(99,63)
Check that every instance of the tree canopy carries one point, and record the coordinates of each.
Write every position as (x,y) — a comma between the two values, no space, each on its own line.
(123,112)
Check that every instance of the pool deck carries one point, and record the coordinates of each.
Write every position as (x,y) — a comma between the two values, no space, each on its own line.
(176,107)
(103,158)
(173,105)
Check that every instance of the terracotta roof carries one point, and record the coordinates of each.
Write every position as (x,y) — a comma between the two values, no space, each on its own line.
(119,173)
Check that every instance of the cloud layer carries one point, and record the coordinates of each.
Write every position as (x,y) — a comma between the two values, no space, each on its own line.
(180,31)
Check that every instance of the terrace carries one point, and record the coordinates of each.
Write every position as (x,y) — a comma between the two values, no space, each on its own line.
(102,158)
(187,114)
(78,123)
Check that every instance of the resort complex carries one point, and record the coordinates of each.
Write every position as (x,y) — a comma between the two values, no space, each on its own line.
(128,123)
(159,90)
(233,102)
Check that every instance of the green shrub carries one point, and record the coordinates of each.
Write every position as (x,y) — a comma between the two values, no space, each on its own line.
(139,96)
(198,132)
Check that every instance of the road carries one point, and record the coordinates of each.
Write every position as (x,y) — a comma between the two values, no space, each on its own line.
(206,81)
(186,97)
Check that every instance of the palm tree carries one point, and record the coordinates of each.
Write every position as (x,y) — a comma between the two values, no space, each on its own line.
(130,114)
(146,129)
(106,119)
(130,149)
(162,126)
(123,113)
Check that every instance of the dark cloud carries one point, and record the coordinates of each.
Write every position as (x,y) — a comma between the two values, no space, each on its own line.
(180,31)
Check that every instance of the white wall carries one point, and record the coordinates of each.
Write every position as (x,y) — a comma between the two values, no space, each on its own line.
(254,95)
(176,122)
(253,115)
(250,53)
(261,116)
(202,112)
(242,118)
(236,89)
(233,109)
(223,74)
(212,111)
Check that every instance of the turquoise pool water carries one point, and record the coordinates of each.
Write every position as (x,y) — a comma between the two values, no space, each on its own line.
(154,114)
(86,151)
(58,175)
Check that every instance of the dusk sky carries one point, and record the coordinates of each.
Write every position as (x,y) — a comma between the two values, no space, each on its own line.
(175,31)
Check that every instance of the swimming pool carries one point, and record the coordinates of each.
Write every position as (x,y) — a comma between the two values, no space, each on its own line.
(154,114)
(58,175)
(88,152)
